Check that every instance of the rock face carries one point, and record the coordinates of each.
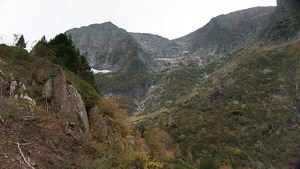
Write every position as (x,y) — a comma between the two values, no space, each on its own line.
(66,101)
(284,24)
(157,46)
(225,33)
(106,46)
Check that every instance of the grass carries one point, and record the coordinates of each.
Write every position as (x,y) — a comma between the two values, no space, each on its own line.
(88,93)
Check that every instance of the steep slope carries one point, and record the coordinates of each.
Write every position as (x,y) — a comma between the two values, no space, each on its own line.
(40,101)
(106,46)
(226,33)
(284,24)
(157,46)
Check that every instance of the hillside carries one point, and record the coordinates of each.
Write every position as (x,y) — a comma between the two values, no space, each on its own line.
(245,114)
(51,117)
(40,100)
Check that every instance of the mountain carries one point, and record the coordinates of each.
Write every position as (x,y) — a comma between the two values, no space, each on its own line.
(137,59)
(106,46)
(225,33)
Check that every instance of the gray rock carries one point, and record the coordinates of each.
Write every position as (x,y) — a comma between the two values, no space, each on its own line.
(78,105)
(17,90)
(12,88)
(47,90)
(68,102)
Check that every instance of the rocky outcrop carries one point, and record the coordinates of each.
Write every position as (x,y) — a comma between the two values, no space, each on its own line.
(66,101)
(18,90)
(107,47)
(77,105)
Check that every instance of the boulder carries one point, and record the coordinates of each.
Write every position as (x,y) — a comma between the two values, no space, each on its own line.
(67,101)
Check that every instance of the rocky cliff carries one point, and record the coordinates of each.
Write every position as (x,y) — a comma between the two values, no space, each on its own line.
(284,23)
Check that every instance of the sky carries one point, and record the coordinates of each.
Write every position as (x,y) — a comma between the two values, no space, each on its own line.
(167,18)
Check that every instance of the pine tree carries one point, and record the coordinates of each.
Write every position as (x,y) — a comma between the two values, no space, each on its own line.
(44,40)
(70,57)
(21,42)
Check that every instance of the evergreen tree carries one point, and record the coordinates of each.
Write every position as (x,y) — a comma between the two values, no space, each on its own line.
(70,57)
(21,42)
(44,40)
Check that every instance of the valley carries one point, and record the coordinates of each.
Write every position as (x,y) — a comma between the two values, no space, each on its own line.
(224,96)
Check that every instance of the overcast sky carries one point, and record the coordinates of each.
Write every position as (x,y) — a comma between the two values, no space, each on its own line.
(168,18)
